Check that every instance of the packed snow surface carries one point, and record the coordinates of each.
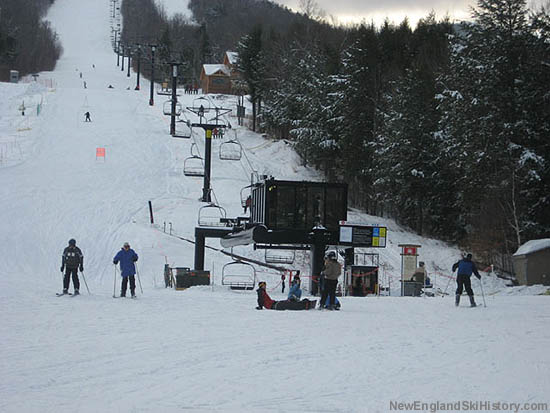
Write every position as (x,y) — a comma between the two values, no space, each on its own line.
(207,348)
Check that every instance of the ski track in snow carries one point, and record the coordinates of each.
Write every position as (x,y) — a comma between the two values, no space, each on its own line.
(206,349)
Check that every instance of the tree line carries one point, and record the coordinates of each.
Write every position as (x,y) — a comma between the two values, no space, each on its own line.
(444,127)
(27,42)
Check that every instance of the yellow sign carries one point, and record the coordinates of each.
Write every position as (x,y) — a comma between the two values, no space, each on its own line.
(208,133)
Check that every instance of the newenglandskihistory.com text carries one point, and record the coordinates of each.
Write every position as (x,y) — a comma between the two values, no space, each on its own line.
(467,406)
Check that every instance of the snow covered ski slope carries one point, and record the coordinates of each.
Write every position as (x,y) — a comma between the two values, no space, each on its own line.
(205,349)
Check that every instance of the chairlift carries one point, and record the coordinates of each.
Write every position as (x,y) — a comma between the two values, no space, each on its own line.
(245,193)
(239,275)
(183,130)
(167,108)
(211,215)
(164,90)
(279,256)
(231,150)
(193,166)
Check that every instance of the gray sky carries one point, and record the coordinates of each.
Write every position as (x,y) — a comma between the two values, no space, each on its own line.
(395,10)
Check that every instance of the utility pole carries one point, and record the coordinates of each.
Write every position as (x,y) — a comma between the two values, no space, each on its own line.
(151,94)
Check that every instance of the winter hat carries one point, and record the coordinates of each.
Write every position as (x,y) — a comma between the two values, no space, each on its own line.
(469,256)
(72,241)
(331,255)
(126,245)
(262,284)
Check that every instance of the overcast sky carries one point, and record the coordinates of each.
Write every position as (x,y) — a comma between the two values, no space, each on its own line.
(395,10)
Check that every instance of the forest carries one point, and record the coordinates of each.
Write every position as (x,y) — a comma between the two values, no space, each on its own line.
(443,126)
(27,42)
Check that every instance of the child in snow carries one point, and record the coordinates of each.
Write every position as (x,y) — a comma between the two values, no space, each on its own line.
(295,292)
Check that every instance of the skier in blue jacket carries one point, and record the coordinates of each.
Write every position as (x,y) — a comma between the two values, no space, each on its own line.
(127,257)
(465,269)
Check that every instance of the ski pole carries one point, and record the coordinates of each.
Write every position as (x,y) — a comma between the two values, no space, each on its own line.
(482,294)
(445,292)
(85,283)
(114,284)
(139,280)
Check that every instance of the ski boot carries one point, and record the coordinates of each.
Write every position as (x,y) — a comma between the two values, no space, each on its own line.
(457,300)
(123,293)
(76,292)
(65,291)
(472,302)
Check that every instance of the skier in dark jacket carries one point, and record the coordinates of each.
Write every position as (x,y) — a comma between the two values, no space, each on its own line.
(465,269)
(71,261)
(332,271)
(127,257)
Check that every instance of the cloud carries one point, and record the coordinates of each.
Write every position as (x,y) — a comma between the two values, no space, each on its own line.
(396,10)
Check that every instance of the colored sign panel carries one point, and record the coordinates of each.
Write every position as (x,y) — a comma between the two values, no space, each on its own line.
(363,236)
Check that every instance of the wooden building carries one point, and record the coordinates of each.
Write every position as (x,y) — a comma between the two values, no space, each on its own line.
(532,262)
(218,78)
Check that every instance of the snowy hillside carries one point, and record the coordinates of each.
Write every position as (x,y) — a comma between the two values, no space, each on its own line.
(206,348)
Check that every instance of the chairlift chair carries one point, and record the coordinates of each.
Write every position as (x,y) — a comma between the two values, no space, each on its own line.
(239,275)
(211,215)
(183,130)
(167,108)
(245,193)
(163,92)
(231,150)
(193,166)
(280,256)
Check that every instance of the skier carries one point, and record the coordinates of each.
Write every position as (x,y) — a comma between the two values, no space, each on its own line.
(283,277)
(87,115)
(332,271)
(127,257)
(465,268)
(71,261)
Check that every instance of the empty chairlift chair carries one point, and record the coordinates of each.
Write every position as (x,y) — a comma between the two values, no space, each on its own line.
(231,150)
(193,166)
(167,108)
(239,275)
(183,129)
(212,215)
(280,256)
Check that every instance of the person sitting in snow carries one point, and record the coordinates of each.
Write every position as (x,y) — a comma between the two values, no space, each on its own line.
(264,300)
(295,292)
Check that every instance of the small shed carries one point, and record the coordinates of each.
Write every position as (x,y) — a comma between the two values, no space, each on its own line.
(532,262)
(215,78)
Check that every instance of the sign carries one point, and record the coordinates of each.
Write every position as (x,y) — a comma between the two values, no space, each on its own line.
(360,235)
(100,153)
